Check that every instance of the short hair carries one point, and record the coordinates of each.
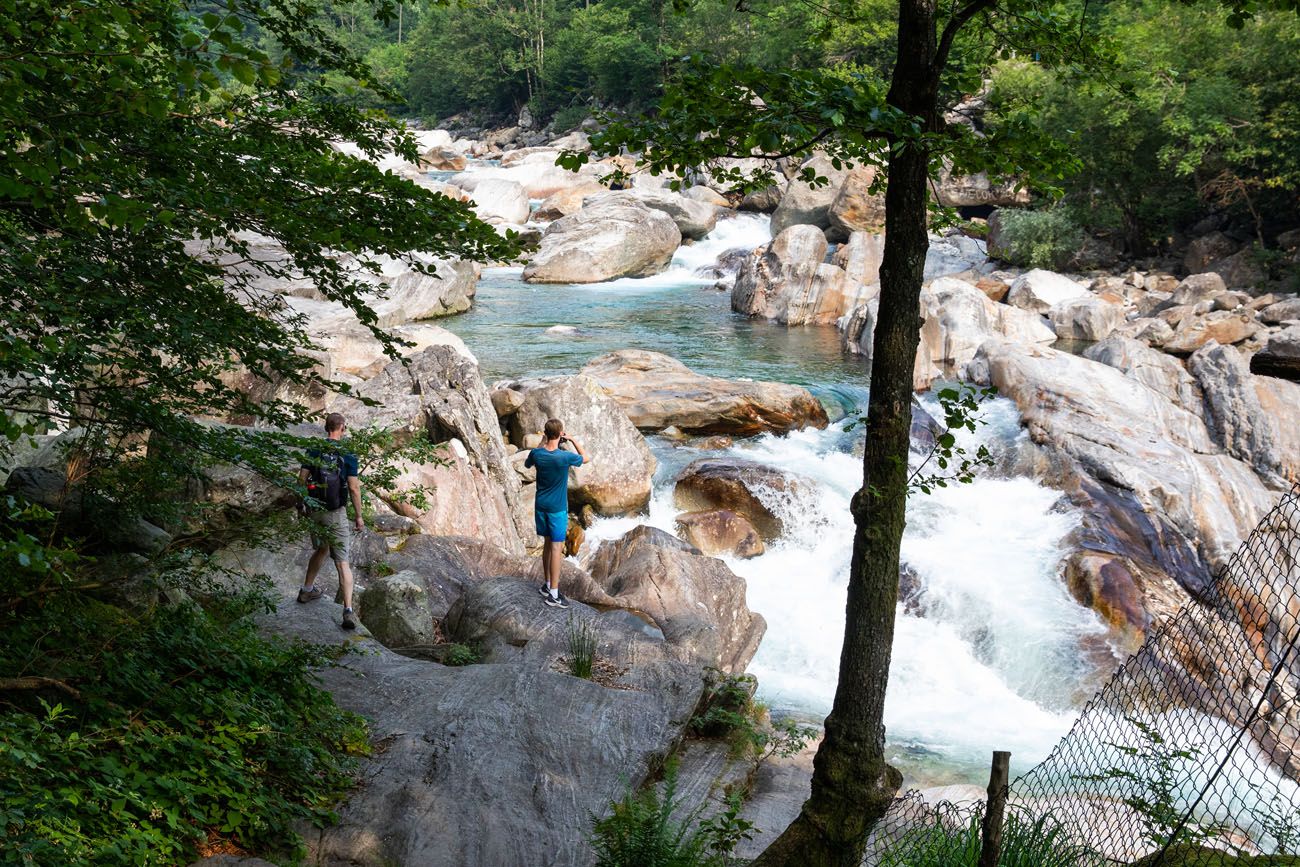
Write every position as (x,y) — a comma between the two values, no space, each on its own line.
(334,421)
(554,427)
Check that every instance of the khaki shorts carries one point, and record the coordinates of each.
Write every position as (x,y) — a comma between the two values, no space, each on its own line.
(333,529)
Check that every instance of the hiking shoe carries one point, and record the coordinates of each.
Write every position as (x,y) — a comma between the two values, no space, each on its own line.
(561,602)
(349,620)
(309,595)
(543,590)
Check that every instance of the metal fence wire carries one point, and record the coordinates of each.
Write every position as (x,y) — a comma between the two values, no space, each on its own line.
(1188,756)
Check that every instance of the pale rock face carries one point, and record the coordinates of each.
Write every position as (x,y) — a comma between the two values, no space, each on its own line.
(788,281)
(707,195)
(1162,373)
(802,204)
(1235,415)
(860,257)
(696,601)
(500,201)
(567,201)
(1085,318)
(953,255)
(616,481)
(1101,427)
(1287,310)
(855,208)
(956,320)
(440,393)
(658,391)
(694,219)
(1040,290)
(1225,327)
(614,236)
(538,175)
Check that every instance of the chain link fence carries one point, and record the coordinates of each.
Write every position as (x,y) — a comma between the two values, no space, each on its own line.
(1188,756)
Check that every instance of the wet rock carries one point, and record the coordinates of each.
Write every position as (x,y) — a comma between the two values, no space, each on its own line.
(720,532)
(617,479)
(611,236)
(746,487)
(1040,290)
(696,601)
(656,391)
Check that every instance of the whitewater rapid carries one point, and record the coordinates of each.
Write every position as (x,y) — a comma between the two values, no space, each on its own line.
(986,656)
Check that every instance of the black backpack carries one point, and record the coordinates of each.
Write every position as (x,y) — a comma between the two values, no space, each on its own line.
(326,482)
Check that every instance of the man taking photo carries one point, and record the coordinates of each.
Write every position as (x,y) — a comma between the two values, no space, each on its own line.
(551,509)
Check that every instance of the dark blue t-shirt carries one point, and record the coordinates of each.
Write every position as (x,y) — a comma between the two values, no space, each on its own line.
(552,477)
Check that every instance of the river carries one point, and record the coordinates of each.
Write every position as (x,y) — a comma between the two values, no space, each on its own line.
(992,652)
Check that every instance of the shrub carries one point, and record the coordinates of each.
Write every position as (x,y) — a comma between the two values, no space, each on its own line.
(1027,841)
(641,831)
(582,648)
(1036,239)
(729,711)
(460,654)
(172,730)
(570,117)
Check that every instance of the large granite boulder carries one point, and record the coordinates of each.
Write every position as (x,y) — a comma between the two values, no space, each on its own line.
(439,392)
(657,391)
(1085,318)
(855,208)
(493,764)
(1039,290)
(1225,327)
(1286,310)
(497,200)
(1267,438)
(789,281)
(694,219)
(617,479)
(956,319)
(696,601)
(613,235)
(804,204)
(756,491)
(395,608)
(567,201)
(720,531)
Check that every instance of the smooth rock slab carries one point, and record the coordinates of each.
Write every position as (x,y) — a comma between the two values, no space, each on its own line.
(613,235)
(657,391)
(1039,290)
(720,531)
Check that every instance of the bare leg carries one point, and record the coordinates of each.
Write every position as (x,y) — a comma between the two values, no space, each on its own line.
(548,564)
(345,582)
(313,565)
(554,556)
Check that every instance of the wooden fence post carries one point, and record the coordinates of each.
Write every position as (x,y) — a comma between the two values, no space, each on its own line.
(991,846)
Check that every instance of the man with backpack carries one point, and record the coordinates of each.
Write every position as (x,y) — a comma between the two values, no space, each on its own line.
(551,510)
(330,477)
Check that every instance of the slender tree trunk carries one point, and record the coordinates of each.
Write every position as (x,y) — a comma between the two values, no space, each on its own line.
(852,785)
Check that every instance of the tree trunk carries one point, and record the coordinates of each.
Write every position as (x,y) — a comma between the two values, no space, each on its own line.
(852,785)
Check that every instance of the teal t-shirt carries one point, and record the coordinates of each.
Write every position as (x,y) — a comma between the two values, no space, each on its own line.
(552,477)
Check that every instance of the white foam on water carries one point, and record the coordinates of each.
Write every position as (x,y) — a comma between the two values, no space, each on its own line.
(992,660)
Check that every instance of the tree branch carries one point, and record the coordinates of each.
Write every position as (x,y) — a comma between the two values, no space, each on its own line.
(8,684)
(955,24)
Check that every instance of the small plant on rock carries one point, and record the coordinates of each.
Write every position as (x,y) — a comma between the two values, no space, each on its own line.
(460,654)
(582,648)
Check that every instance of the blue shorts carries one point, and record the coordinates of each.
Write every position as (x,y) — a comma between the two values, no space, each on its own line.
(552,525)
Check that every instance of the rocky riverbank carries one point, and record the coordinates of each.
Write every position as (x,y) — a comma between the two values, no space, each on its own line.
(1161,405)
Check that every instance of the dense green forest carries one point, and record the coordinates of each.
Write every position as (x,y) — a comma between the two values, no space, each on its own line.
(1192,116)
